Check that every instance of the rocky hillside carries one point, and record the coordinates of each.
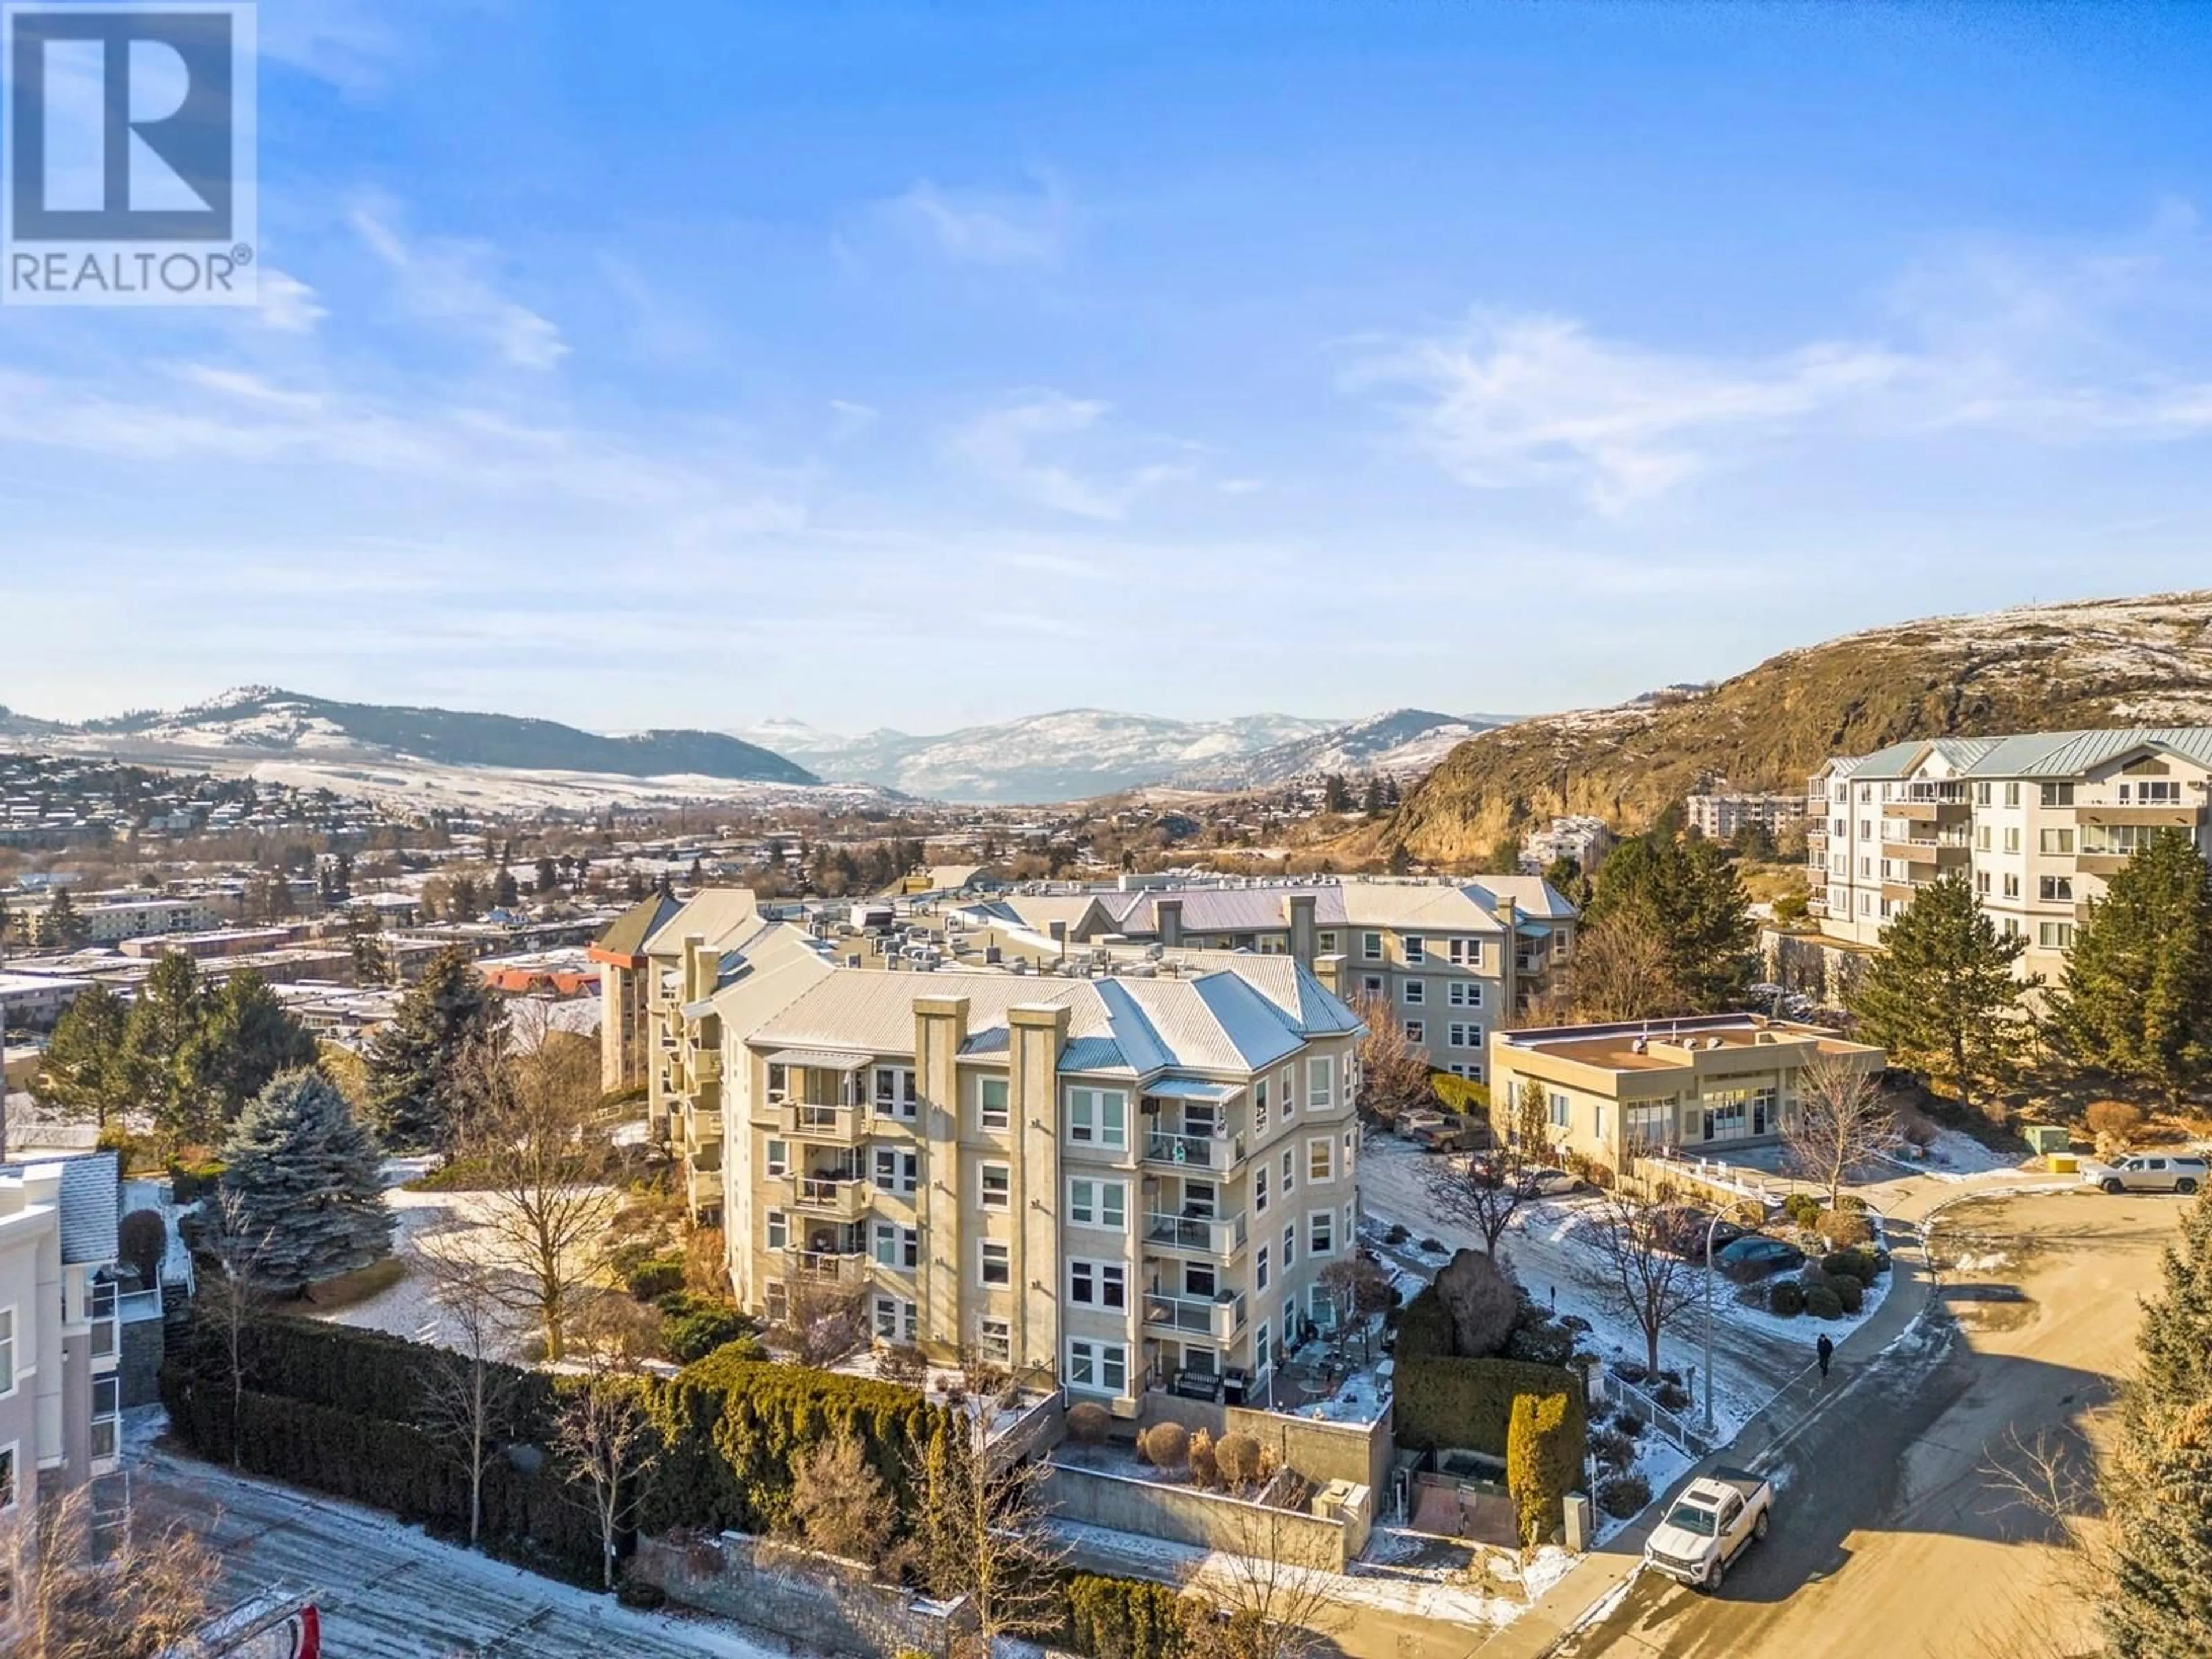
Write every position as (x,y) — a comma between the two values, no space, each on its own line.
(2140,662)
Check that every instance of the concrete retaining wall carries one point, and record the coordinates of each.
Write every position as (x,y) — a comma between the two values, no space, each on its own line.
(1207,1520)
(796,1596)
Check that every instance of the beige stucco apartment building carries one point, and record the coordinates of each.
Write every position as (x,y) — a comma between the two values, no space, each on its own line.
(2038,823)
(1118,1179)
(1705,1085)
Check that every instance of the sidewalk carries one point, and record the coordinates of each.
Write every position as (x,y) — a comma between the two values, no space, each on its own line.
(1604,1575)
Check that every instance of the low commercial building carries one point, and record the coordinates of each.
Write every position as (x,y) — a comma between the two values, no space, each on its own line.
(1712,1084)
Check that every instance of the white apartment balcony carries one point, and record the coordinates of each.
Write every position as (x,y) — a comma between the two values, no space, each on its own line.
(704,1188)
(1213,1235)
(840,1125)
(828,1267)
(843,1196)
(1218,1152)
(1217,1318)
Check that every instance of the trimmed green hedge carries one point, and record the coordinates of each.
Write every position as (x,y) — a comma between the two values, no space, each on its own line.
(1543,1459)
(1446,1403)
(1125,1618)
(1424,1329)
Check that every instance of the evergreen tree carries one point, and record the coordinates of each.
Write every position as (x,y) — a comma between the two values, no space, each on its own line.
(1335,795)
(82,1073)
(2136,998)
(1686,895)
(63,928)
(2174,1342)
(163,1051)
(306,1179)
(1941,998)
(549,876)
(415,1061)
(247,1038)
(506,891)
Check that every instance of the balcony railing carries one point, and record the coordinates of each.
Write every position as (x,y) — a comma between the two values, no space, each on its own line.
(1199,1235)
(1219,1317)
(843,1267)
(842,1196)
(819,1122)
(1195,1151)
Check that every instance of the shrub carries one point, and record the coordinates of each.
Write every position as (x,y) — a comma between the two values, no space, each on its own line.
(1166,1445)
(1629,1371)
(1424,1327)
(655,1277)
(1786,1296)
(641,1594)
(1445,1402)
(1626,1421)
(1536,1338)
(2115,1123)
(1612,1449)
(1574,1323)
(1089,1422)
(1880,1259)
(1432,1246)
(190,1182)
(1802,1208)
(1673,1397)
(1845,1229)
(1542,1458)
(906,1363)
(141,1240)
(1397,1234)
(1822,1302)
(694,1335)
(1849,1264)
(1483,1303)
(1623,1495)
(1125,1618)
(1204,1466)
(1850,1293)
(1239,1456)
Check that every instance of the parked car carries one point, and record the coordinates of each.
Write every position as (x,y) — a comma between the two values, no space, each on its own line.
(1683,1231)
(1713,1521)
(1755,1255)
(277,1624)
(2151,1173)
(1551,1183)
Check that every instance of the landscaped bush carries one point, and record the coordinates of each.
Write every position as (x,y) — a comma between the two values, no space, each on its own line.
(1612,1449)
(1125,1618)
(1543,1456)
(1846,1229)
(1397,1234)
(1623,1495)
(1433,1246)
(1786,1296)
(1238,1456)
(905,1363)
(1628,1422)
(655,1277)
(1629,1371)
(1802,1209)
(639,1593)
(1424,1327)
(1166,1445)
(1673,1397)
(1446,1402)
(141,1240)
(1536,1338)
(1850,1292)
(190,1182)
(1853,1264)
(1822,1302)
(1204,1466)
(1089,1423)
(1881,1259)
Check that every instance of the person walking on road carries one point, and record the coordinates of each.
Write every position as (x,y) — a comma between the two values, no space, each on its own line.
(1827,1351)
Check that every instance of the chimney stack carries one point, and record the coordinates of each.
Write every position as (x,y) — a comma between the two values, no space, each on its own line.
(1169,912)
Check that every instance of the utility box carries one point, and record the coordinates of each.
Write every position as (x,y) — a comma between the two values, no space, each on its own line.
(1577,1522)
(2045,1138)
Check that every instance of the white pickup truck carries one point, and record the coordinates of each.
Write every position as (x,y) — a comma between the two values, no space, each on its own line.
(1709,1526)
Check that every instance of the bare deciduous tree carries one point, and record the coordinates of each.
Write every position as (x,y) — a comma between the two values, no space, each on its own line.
(838,1504)
(1621,971)
(606,1445)
(86,1593)
(232,1294)
(467,1389)
(983,1529)
(823,1319)
(1625,1263)
(1841,1122)
(532,1129)
(1480,1190)
(1357,1289)
(1393,1077)
(1270,1597)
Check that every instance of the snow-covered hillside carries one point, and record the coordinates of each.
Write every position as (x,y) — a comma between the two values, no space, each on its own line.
(1403,742)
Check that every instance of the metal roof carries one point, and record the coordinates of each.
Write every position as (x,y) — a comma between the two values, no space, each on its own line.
(2034,754)
(90,1201)
(823,1060)
(1185,1088)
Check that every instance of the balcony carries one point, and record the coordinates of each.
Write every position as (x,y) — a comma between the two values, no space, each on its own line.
(1929,810)
(1219,1318)
(805,1121)
(828,1267)
(1196,1235)
(704,1188)
(842,1196)
(1221,1152)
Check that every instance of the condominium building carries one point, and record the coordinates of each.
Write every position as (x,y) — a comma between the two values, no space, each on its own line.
(1112,1182)
(624,985)
(2037,822)
(1707,1085)
(60,1405)
(1451,960)
(1720,817)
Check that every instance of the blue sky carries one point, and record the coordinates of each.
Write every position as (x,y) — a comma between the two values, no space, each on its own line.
(920,365)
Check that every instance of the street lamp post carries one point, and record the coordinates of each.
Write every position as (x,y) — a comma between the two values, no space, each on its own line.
(1710,1426)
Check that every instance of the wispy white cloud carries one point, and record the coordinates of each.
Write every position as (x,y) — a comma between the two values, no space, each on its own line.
(1024,447)
(982,227)
(2053,345)
(850,419)
(288,306)
(446,282)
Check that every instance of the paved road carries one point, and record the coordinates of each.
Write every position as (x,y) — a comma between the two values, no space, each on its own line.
(387,1592)
(1891,1535)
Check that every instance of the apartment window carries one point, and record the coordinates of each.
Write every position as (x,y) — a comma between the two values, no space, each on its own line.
(1415,950)
(1471,1070)
(2011,884)
(1097,1283)
(1559,1109)
(1325,940)
(7,1477)
(995,1338)
(1372,985)
(897,1320)
(1260,1268)
(894,1247)
(998,1187)
(2056,841)
(1981,794)
(1982,838)
(1260,1351)
(2012,794)
(1289,1172)
(1982,882)
(1260,1188)
(990,1102)
(1097,1367)
(1464,952)
(2054,935)
(2057,794)
(7,1351)
(1321,1082)
(1321,1159)
(1320,1233)
(1286,1090)
(779,1231)
(777,1300)
(897,1172)
(1467,1036)
(1414,990)
(1464,993)
(1098,1204)
(2153,793)
(2056,890)
(895,1094)
(2012,839)
(1865,868)
(1098,1117)
(777,1160)
(778,1084)
(1416,1032)
(1290,1247)
(997,1266)
(1370,947)
(1258,1107)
